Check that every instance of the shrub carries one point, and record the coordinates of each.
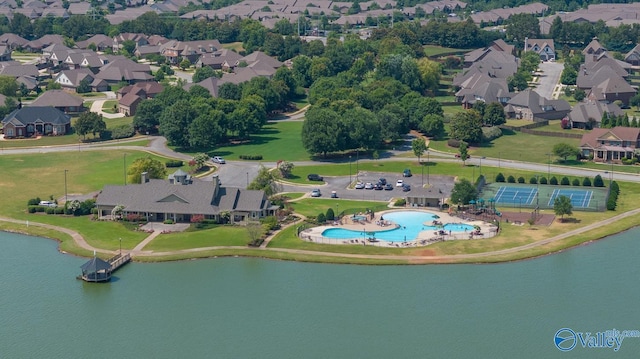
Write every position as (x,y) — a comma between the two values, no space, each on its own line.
(50,210)
(586,182)
(520,179)
(533,180)
(511,179)
(597,181)
(543,180)
(173,163)
(122,131)
(168,221)
(321,218)
(452,142)
(271,222)
(33,201)
(500,177)
(553,181)
(491,133)
(575,182)
(565,181)
(31,209)
(251,157)
(60,210)
(400,202)
(330,215)
(615,188)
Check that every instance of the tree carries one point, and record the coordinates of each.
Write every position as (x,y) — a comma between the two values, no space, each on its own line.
(128,46)
(521,26)
(432,126)
(494,115)
(569,75)
(562,206)
(203,73)
(147,115)
(430,72)
(518,81)
(84,86)
(321,131)
(635,101)
(184,64)
(89,122)
(463,152)
(565,150)
(205,131)
(229,91)
(285,168)
(175,120)
(200,159)
(419,146)
(255,232)
(597,181)
(579,95)
(466,126)
(463,192)
(8,86)
(154,168)
(264,181)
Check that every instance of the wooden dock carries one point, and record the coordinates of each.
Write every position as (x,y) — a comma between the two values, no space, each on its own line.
(97,270)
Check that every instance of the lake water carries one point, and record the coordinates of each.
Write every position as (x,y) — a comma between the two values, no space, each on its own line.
(255,308)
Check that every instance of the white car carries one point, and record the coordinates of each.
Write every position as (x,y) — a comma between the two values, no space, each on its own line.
(399,183)
(368,185)
(359,185)
(316,193)
(218,159)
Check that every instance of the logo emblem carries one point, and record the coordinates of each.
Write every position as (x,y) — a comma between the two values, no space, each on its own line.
(565,339)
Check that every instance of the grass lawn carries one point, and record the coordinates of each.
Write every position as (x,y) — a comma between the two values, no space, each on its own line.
(114,122)
(235,46)
(219,236)
(43,141)
(140,143)
(315,206)
(94,94)
(276,141)
(433,50)
(554,126)
(108,106)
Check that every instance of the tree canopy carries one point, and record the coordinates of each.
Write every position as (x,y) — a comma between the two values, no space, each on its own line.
(463,191)
(562,206)
(154,168)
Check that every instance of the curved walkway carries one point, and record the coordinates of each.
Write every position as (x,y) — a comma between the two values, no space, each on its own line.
(80,241)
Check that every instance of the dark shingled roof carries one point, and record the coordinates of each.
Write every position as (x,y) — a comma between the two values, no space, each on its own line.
(94,265)
(31,114)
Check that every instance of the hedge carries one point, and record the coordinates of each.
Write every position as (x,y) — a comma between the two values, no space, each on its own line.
(251,157)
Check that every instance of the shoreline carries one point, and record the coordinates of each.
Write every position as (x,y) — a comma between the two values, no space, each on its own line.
(558,243)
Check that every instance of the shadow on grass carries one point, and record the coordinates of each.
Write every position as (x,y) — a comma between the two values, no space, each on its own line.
(569,220)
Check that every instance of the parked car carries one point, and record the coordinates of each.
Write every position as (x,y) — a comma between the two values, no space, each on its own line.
(378,187)
(316,193)
(388,187)
(48,204)
(406,188)
(399,183)
(382,181)
(458,156)
(314,177)
(359,185)
(368,185)
(334,194)
(219,160)
(406,173)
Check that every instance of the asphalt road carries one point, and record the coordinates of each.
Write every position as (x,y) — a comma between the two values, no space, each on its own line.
(551,72)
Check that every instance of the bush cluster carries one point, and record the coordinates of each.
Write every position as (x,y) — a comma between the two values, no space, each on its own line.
(173,163)
(121,131)
(452,142)
(614,192)
(251,157)
(491,133)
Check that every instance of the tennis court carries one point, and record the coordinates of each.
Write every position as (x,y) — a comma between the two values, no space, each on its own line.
(518,195)
(579,198)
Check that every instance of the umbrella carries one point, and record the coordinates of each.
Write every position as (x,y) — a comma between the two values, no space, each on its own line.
(435,216)
(491,200)
(481,200)
(472,202)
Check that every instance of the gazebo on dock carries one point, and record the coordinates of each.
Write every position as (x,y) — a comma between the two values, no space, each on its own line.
(96,270)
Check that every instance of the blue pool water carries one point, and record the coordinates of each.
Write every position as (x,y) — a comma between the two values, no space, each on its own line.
(410,224)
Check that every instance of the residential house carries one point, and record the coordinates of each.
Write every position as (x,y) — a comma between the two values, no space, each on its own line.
(181,198)
(224,59)
(129,97)
(486,90)
(123,69)
(61,100)
(39,44)
(190,50)
(13,41)
(101,42)
(543,47)
(588,115)
(593,48)
(529,105)
(5,53)
(138,39)
(35,120)
(610,144)
(259,56)
(71,79)
(633,57)
(612,89)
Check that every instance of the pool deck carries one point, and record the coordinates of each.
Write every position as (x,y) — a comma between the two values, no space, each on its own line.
(426,237)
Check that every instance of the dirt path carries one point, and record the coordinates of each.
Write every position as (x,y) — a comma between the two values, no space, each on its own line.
(80,241)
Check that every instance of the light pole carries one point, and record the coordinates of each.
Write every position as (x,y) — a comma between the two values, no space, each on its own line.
(428,166)
(65,186)
(124,168)
(481,165)
(549,167)
(350,170)
(337,210)
(247,179)
(499,153)
(120,239)
(422,173)
(357,157)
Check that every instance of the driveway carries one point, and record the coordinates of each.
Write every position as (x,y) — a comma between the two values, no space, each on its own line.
(548,81)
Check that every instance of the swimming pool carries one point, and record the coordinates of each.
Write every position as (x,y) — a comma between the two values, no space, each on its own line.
(410,223)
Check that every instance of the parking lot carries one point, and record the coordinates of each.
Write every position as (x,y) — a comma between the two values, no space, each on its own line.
(340,185)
